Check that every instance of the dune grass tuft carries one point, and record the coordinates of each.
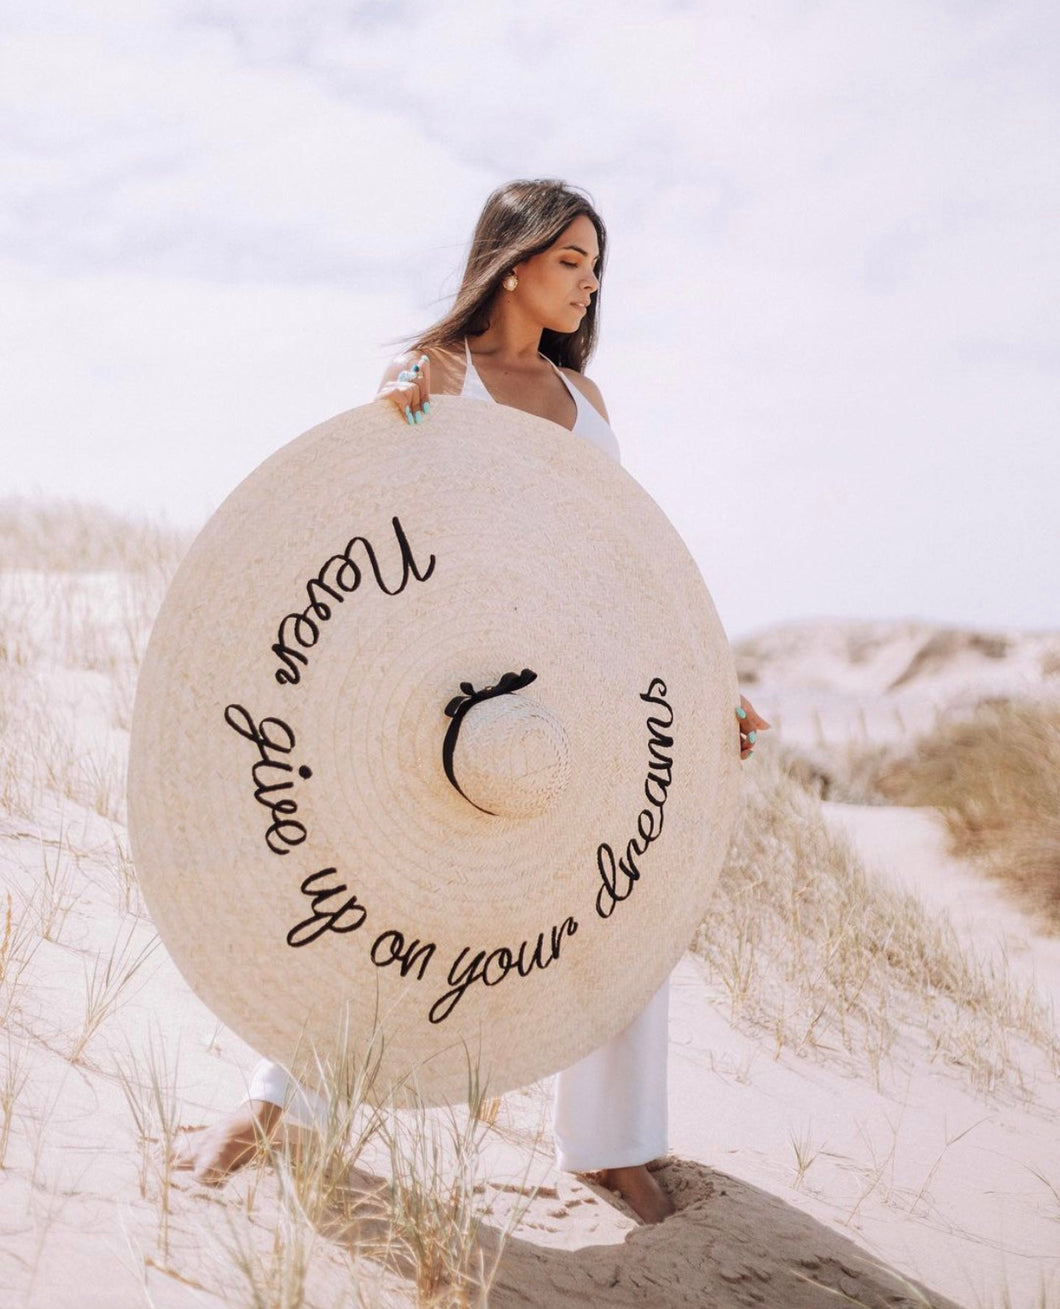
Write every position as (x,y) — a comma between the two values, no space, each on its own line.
(435,1201)
(995,778)
(13,1080)
(19,941)
(67,536)
(835,963)
(108,981)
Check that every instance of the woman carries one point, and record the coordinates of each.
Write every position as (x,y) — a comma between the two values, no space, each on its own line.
(519,333)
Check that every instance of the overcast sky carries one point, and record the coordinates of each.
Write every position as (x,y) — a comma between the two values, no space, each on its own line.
(830,338)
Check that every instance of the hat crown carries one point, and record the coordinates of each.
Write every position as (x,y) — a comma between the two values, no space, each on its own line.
(512,757)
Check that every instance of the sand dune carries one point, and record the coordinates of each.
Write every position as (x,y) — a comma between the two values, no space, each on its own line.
(859,1156)
(832,683)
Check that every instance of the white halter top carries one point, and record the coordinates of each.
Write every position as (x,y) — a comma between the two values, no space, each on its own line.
(589,423)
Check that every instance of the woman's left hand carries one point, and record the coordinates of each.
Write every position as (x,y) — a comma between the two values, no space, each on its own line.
(751,723)
(407,385)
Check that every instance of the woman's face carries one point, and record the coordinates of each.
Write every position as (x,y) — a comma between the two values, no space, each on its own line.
(556,286)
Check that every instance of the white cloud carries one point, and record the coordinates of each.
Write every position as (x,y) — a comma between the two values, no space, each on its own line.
(830,317)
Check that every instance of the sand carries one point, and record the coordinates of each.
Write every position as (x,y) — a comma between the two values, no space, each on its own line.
(800,1180)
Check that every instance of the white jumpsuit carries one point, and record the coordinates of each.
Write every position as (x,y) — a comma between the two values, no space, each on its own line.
(610,1107)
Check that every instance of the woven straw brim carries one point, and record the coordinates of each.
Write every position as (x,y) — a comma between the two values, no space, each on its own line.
(287,742)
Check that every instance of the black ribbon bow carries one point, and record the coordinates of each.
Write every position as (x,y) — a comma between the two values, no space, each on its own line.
(457,710)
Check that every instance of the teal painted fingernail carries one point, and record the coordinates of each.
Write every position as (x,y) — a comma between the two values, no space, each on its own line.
(426,406)
(741,712)
(404,376)
(408,417)
(419,415)
(751,738)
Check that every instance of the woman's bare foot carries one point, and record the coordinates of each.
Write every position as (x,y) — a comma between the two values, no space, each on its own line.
(640,1191)
(214,1153)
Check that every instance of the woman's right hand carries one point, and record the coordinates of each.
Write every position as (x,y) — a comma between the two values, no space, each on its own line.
(407,385)
(751,723)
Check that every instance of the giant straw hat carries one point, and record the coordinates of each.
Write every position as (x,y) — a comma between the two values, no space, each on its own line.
(433,750)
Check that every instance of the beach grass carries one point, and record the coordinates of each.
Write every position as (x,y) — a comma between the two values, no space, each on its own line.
(994,776)
(79,590)
(69,536)
(832,963)
(807,950)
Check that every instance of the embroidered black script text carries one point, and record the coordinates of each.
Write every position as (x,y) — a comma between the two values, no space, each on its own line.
(332,910)
(339,577)
(271,773)
(493,967)
(618,877)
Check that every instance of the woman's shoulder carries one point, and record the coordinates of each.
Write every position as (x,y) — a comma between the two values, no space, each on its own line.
(589,389)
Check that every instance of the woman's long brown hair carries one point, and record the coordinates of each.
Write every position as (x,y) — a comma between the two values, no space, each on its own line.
(520,219)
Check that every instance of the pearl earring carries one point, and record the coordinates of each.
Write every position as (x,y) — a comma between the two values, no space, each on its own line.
(510,282)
